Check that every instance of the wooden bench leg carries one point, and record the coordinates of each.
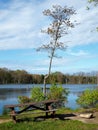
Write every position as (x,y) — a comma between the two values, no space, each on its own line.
(48,107)
(53,114)
(46,110)
(14,119)
(13,115)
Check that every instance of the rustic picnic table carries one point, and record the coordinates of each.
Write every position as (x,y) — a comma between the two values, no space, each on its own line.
(32,105)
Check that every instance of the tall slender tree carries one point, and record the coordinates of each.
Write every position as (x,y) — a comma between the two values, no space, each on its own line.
(60,17)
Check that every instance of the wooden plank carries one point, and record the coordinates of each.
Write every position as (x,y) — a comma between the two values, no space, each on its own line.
(31,103)
(31,106)
(27,113)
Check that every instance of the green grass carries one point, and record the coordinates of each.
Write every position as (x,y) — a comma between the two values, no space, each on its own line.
(28,123)
(48,125)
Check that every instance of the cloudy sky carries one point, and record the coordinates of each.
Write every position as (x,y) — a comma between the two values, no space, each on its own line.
(21,22)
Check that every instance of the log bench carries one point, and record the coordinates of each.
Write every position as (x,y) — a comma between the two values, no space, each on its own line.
(28,108)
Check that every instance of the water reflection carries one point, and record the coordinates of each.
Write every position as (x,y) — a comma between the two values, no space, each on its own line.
(13,93)
(72,97)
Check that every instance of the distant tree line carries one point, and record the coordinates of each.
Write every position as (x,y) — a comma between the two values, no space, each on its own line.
(23,77)
(19,77)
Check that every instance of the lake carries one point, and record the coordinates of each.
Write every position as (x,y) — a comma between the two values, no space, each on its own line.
(9,93)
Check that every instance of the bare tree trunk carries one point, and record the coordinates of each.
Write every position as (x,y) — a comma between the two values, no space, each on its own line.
(46,77)
(45,88)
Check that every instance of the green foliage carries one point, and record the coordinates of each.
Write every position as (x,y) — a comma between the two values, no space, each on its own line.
(90,1)
(37,94)
(48,124)
(88,99)
(97,29)
(23,77)
(5,111)
(57,92)
(23,99)
(95,2)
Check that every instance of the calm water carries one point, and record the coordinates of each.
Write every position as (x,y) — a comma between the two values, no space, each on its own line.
(9,93)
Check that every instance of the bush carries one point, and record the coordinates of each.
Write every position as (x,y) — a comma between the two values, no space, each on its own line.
(88,99)
(37,94)
(23,99)
(57,92)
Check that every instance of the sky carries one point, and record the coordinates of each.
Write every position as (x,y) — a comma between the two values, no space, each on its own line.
(21,22)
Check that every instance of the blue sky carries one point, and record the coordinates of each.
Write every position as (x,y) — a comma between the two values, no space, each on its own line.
(21,22)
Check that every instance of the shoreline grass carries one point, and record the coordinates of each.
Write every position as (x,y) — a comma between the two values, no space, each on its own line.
(49,124)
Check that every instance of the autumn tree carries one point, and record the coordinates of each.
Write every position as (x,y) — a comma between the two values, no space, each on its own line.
(60,17)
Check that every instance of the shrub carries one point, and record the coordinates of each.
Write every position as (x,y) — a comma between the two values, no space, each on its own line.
(88,99)
(57,92)
(23,99)
(37,94)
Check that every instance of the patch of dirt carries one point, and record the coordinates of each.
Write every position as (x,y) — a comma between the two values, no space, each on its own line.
(4,120)
(93,120)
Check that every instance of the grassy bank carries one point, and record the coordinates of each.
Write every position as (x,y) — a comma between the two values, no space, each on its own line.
(29,123)
(48,125)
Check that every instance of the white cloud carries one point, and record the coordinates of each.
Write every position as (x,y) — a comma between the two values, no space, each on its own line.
(21,22)
(79,53)
(82,34)
(20,25)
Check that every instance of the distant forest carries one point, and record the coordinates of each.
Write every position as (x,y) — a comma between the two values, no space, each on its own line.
(23,77)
